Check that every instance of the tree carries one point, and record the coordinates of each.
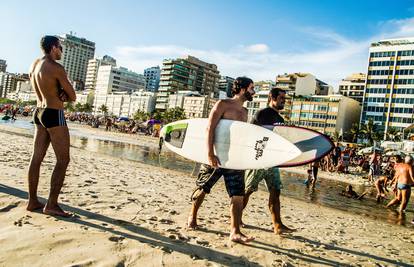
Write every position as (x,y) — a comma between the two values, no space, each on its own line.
(173,114)
(69,107)
(336,136)
(393,134)
(140,115)
(371,132)
(79,107)
(87,107)
(103,109)
(354,132)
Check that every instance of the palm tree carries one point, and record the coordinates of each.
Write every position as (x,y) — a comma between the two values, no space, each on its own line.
(79,107)
(370,132)
(354,132)
(393,134)
(69,107)
(87,107)
(103,109)
(336,136)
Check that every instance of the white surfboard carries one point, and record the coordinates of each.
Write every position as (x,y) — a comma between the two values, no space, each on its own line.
(238,145)
(313,144)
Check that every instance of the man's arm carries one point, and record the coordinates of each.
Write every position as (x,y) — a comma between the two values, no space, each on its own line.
(215,115)
(410,171)
(65,83)
(33,82)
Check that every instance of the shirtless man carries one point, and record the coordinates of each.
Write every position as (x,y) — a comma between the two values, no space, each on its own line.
(52,87)
(404,178)
(231,109)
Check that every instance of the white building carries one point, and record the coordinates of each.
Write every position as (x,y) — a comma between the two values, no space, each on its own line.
(126,104)
(259,102)
(303,84)
(92,70)
(111,79)
(226,85)
(389,90)
(76,54)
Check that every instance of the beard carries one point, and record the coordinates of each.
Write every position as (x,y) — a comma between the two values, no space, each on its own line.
(248,96)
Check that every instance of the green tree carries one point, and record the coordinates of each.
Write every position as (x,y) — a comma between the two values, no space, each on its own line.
(7,101)
(354,132)
(87,107)
(393,134)
(371,132)
(103,109)
(336,136)
(69,107)
(173,114)
(140,115)
(79,107)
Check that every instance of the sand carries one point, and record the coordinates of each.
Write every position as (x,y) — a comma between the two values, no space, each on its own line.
(132,214)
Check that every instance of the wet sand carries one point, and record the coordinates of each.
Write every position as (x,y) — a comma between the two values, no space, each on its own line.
(132,214)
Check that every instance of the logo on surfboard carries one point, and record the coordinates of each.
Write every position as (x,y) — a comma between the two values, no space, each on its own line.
(260,146)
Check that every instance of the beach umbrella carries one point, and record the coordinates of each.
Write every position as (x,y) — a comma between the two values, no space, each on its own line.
(123,119)
(152,121)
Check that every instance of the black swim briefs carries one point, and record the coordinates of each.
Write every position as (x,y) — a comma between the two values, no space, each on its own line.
(49,117)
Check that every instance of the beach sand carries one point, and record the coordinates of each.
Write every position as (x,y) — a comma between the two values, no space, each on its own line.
(132,214)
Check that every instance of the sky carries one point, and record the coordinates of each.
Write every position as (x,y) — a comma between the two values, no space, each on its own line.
(258,39)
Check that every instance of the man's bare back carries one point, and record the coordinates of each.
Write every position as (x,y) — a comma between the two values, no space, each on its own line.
(48,78)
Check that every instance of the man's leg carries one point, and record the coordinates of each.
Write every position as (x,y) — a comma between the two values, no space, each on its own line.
(40,145)
(206,179)
(274,207)
(405,197)
(396,200)
(236,210)
(60,140)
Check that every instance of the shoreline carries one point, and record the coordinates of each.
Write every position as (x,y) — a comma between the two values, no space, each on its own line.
(138,139)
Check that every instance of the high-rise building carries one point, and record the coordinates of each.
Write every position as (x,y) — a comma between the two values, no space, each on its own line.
(3,65)
(8,83)
(353,86)
(152,78)
(389,90)
(92,70)
(76,54)
(186,74)
(226,85)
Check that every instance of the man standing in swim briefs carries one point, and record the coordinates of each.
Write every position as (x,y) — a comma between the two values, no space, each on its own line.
(403,179)
(269,116)
(52,88)
(231,109)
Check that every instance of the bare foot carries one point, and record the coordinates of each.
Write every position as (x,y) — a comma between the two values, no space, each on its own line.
(240,238)
(283,229)
(56,211)
(34,205)
(192,224)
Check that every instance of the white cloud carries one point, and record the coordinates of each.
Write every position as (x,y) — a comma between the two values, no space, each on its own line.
(336,59)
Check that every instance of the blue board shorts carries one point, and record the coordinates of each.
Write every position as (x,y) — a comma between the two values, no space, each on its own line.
(208,176)
(271,176)
(403,186)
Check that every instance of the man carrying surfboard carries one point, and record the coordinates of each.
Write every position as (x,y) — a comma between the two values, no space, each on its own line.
(269,116)
(231,109)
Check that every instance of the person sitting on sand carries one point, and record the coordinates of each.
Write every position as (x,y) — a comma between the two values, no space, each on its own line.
(350,193)
(403,181)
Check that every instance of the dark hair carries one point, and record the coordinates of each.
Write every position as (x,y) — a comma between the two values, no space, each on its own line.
(275,92)
(398,158)
(48,42)
(240,83)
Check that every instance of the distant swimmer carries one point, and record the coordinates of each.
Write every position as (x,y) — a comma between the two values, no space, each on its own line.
(403,180)
(52,88)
